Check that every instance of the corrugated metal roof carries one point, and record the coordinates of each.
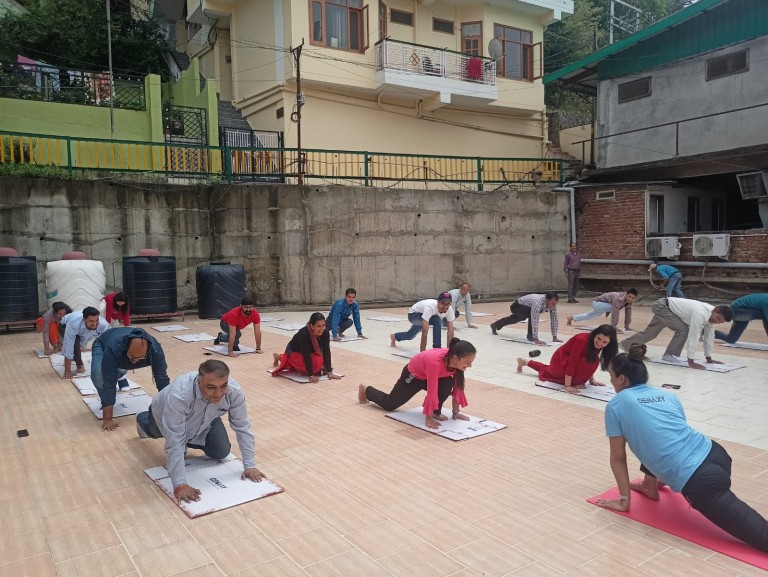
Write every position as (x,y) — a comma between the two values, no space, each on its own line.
(635,53)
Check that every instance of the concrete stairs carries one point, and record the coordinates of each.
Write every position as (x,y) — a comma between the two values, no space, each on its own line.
(230,117)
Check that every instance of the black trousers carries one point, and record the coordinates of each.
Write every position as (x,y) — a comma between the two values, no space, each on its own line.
(404,390)
(77,353)
(709,492)
(519,313)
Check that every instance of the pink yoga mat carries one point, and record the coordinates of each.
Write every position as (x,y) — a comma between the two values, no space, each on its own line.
(672,514)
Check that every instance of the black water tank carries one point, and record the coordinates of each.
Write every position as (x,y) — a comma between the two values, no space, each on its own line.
(220,288)
(150,282)
(18,288)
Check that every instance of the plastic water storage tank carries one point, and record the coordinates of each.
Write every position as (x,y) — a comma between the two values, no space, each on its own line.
(220,288)
(18,287)
(150,282)
(75,280)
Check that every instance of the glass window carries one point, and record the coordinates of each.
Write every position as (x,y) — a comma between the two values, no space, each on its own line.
(517,52)
(635,89)
(728,65)
(338,24)
(401,17)
(445,26)
(317,22)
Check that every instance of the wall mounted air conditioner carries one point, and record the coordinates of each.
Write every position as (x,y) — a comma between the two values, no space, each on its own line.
(661,247)
(712,245)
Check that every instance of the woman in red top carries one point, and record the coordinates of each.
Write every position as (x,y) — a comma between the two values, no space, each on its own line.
(118,309)
(575,363)
(440,372)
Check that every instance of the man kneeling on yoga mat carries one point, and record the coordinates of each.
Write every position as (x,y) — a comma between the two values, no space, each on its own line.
(652,422)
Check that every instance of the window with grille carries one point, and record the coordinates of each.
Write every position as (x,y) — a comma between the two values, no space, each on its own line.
(401,17)
(728,65)
(639,88)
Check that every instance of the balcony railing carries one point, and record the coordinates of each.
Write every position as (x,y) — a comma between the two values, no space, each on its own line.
(52,84)
(431,61)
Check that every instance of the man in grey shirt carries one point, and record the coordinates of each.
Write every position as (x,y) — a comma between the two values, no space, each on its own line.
(461,296)
(187,413)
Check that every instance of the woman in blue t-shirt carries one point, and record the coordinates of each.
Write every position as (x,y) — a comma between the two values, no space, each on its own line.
(652,422)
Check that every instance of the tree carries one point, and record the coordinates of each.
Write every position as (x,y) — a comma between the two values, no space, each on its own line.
(73,34)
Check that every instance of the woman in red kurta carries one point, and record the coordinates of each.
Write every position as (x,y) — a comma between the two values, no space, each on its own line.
(118,309)
(575,363)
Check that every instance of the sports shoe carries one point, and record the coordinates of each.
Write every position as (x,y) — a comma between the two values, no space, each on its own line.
(140,430)
(216,341)
(122,384)
(493,329)
(670,358)
(236,348)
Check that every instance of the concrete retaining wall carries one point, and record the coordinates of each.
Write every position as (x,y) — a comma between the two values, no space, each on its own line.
(300,244)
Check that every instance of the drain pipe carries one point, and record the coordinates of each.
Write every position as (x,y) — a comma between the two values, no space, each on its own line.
(572,192)
(755,265)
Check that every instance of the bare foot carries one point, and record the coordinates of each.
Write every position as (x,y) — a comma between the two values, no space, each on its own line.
(361,397)
(440,417)
(651,493)
(520,364)
(392,341)
(81,369)
(569,320)
(275,359)
(573,390)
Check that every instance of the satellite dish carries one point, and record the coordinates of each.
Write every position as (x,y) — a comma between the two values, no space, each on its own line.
(495,49)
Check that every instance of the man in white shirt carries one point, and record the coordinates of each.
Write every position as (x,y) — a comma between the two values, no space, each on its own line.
(425,313)
(690,320)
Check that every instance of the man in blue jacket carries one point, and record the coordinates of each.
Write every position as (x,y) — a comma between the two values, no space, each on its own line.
(747,308)
(341,310)
(114,353)
(673,279)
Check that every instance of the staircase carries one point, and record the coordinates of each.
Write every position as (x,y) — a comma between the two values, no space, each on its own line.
(571,165)
(230,117)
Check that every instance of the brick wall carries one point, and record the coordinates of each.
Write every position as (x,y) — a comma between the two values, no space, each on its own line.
(615,229)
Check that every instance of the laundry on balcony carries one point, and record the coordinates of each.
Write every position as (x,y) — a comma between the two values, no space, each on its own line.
(475,69)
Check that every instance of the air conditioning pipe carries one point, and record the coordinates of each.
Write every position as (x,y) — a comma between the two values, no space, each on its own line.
(755,265)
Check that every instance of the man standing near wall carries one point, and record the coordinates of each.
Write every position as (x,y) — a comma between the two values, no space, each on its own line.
(572,269)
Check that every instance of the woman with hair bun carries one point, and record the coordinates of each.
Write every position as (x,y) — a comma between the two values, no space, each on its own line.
(576,361)
(652,422)
(440,372)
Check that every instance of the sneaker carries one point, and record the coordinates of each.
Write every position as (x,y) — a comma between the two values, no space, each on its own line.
(122,384)
(140,430)
(572,301)
(493,329)
(236,348)
(670,358)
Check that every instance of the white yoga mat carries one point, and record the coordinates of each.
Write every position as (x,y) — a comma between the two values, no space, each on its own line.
(289,326)
(347,339)
(452,429)
(524,341)
(57,363)
(170,328)
(224,350)
(483,314)
(268,319)
(300,377)
(387,319)
(219,483)
(406,354)
(41,354)
(195,337)
(86,387)
(707,366)
(593,327)
(745,345)
(605,393)
(126,404)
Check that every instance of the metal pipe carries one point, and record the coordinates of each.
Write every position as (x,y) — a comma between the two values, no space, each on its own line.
(572,192)
(757,265)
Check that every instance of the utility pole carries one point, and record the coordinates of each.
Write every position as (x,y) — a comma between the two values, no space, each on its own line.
(296,116)
(111,75)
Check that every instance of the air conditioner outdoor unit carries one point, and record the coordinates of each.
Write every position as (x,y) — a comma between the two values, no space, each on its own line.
(711,245)
(662,247)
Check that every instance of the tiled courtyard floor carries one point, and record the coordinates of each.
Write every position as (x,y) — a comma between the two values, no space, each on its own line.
(364,495)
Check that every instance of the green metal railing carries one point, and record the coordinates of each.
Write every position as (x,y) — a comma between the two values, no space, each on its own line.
(271,164)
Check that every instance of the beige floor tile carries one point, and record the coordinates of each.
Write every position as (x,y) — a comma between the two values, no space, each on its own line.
(281,567)
(447,533)
(351,517)
(222,526)
(558,550)
(242,552)
(487,484)
(380,494)
(304,481)
(164,531)
(204,571)
(38,566)
(287,523)
(172,559)
(23,546)
(383,539)
(526,501)
(511,527)
(267,506)
(673,563)
(422,560)
(730,564)
(347,564)
(625,545)
(19,524)
(490,557)
(606,565)
(66,543)
(314,546)
(412,512)
(572,520)
(110,562)
(469,507)
(538,569)
(323,498)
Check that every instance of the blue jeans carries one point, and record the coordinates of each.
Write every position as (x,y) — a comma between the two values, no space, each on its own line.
(598,308)
(741,318)
(217,443)
(344,324)
(97,375)
(224,334)
(416,321)
(673,285)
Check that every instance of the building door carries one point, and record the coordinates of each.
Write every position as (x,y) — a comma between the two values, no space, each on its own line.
(472,38)
(694,214)
(382,21)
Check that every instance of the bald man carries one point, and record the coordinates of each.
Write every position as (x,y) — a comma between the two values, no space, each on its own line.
(116,352)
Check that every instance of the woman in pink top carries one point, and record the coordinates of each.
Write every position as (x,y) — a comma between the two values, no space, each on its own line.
(118,309)
(440,372)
